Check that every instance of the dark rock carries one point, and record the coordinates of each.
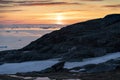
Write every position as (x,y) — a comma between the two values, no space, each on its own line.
(111,19)
(84,68)
(110,65)
(1,63)
(89,66)
(103,68)
(114,61)
(59,67)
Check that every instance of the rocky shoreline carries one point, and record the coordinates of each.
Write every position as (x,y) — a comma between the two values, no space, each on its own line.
(110,75)
(109,70)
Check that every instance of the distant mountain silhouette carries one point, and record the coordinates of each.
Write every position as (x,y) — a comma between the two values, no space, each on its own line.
(75,42)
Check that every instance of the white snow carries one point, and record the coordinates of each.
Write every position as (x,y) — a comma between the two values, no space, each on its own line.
(20,77)
(95,60)
(78,70)
(12,68)
(29,78)
(42,78)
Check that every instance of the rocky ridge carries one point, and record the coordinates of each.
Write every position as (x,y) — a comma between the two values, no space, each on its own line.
(75,42)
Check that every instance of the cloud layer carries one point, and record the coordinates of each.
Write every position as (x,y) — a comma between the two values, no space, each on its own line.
(50,3)
(3,11)
(12,3)
(113,6)
(54,11)
(6,4)
(92,0)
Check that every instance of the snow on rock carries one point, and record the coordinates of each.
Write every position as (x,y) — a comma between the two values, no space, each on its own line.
(20,77)
(78,70)
(12,68)
(42,78)
(31,78)
(95,60)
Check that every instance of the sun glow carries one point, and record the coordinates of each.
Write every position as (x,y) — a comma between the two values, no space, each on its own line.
(59,19)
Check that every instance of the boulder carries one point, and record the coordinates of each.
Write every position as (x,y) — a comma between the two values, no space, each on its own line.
(59,67)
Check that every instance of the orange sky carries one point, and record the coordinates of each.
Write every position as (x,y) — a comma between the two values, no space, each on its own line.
(55,11)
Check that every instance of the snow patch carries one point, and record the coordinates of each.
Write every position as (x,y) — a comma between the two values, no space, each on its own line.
(95,60)
(42,78)
(78,70)
(12,68)
(20,77)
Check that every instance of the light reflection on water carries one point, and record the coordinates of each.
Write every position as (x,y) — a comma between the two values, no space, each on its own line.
(54,28)
(16,36)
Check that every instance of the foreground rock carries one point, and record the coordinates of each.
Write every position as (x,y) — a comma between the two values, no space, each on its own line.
(72,43)
(113,75)
(6,77)
(59,67)
(109,75)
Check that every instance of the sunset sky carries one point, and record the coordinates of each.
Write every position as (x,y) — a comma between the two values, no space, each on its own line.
(55,11)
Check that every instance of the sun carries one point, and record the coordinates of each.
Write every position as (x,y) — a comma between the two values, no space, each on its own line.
(59,19)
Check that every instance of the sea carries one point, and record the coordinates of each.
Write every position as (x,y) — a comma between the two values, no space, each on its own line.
(16,36)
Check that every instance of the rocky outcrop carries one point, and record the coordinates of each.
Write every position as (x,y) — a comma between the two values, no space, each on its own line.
(111,19)
(59,67)
(72,43)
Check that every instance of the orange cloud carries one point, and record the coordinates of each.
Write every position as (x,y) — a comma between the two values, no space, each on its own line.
(113,6)
(92,0)
(3,11)
(34,3)
(52,3)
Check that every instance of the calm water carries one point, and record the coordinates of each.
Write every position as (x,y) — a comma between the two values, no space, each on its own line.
(16,37)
